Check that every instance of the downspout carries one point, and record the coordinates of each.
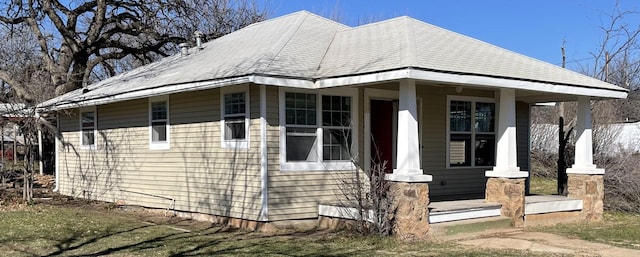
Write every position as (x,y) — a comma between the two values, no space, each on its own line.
(40,149)
(264,174)
(57,153)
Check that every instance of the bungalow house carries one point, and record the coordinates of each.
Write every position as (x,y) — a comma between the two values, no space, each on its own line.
(257,125)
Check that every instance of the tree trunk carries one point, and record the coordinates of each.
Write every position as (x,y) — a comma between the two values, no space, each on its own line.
(562,164)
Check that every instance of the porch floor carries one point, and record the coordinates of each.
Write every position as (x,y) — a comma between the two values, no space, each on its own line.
(444,211)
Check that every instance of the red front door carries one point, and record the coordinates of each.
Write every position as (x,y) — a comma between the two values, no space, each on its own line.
(382,133)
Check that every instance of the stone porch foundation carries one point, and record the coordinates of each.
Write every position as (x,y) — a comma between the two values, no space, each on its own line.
(510,193)
(590,189)
(410,208)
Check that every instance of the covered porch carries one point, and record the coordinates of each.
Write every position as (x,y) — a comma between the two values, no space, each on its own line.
(507,138)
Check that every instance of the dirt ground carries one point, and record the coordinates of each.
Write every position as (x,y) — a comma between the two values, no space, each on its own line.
(544,243)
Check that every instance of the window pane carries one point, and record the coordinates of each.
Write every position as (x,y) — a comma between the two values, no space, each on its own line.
(302,144)
(234,103)
(88,119)
(300,108)
(159,131)
(336,111)
(159,111)
(485,150)
(336,143)
(87,137)
(485,117)
(234,128)
(460,150)
(460,116)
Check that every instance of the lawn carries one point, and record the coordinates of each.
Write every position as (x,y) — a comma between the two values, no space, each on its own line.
(618,229)
(98,229)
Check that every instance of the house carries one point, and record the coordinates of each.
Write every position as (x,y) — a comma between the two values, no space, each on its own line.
(11,114)
(256,126)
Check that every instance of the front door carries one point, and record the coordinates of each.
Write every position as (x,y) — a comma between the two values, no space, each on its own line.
(382,133)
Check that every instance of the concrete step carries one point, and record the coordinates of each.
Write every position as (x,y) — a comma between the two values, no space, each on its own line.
(468,228)
(453,214)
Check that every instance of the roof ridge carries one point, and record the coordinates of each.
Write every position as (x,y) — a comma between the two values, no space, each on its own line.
(288,40)
(381,22)
(410,51)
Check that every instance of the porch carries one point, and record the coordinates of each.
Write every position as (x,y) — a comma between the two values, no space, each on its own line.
(538,210)
(447,211)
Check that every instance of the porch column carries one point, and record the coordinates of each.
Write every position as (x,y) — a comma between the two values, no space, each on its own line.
(409,187)
(584,144)
(506,147)
(408,149)
(506,183)
(585,180)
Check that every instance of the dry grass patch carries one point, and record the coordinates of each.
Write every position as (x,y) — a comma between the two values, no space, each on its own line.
(77,228)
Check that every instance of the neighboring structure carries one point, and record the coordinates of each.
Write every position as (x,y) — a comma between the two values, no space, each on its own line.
(13,140)
(624,136)
(259,125)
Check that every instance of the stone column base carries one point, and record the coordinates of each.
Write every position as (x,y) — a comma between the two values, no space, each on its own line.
(589,188)
(510,193)
(410,209)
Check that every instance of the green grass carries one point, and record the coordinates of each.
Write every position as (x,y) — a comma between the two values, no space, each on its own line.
(543,186)
(618,229)
(43,230)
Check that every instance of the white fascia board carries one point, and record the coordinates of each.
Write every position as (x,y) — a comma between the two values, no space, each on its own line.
(193,86)
(465,79)
(285,82)
(165,90)
(363,79)
(515,84)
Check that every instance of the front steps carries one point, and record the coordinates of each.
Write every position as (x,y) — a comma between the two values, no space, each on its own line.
(447,211)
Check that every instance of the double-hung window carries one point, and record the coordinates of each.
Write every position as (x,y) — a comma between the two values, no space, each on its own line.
(235,119)
(318,131)
(88,127)
(159,123)
(471,130)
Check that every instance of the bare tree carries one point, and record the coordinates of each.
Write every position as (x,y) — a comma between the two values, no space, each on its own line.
(80,39)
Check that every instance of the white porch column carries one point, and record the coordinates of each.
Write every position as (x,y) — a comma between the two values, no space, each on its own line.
(408,149)
(584,148)
(506,147)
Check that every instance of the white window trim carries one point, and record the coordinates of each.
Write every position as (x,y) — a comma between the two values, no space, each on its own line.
(159,145)
(235,143)
(95,127)
(319,165)
(472,99)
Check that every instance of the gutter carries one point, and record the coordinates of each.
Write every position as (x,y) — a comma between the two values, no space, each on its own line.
(437,76)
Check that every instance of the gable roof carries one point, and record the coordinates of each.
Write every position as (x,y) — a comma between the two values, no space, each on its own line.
(309,51)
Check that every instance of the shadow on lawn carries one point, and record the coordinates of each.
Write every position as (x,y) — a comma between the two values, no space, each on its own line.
(207,241)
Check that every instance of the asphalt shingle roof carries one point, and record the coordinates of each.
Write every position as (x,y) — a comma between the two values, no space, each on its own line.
(308,47)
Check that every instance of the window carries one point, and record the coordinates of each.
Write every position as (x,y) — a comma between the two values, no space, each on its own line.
(235,119)
(318,131)
(159,123)
(471,132)
(88,127)
(301,123)
(336,118)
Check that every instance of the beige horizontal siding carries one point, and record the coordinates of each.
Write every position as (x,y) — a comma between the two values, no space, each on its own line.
(196,172)
(295,194)
(447,182)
